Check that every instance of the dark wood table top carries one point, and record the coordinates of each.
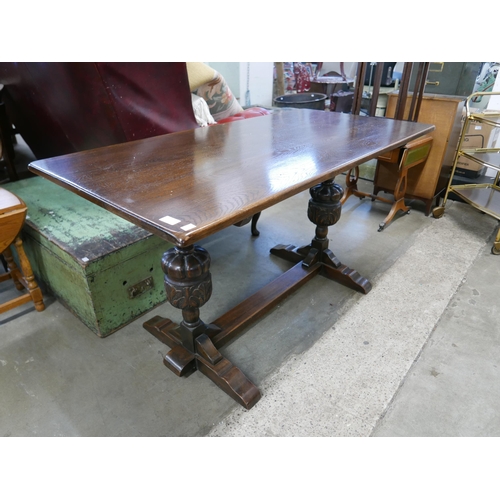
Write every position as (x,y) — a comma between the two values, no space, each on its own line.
(187,185)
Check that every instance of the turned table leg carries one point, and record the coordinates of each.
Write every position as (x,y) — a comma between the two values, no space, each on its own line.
(194,344)
(324,210)
(188,284)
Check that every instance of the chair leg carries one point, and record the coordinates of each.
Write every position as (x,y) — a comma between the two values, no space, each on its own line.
(12,269)
(399,199)
(351,186)
(4,263)
(32,285)
(495,249)
(255,218)
(23,279)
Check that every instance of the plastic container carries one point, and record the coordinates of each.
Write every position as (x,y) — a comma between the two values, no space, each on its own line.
(304,100)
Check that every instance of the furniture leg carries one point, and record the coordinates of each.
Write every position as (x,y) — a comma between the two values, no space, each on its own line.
(28,278)
(495,249)
(399,199)
(4,262)
(12,268)
(23,279)
(324,210)
(188,284)
(255,218)
(351,183)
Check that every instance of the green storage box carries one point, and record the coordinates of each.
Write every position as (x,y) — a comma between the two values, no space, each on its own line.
(101,267)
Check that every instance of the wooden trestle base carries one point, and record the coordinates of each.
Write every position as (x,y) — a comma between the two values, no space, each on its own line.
(195,345)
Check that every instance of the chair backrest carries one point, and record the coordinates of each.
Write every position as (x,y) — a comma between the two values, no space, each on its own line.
(418,93)
(62,108)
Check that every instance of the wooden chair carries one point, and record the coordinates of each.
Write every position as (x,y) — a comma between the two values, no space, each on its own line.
(12,216)
(399,160)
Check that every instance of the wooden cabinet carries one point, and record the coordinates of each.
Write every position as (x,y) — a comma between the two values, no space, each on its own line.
(444,112)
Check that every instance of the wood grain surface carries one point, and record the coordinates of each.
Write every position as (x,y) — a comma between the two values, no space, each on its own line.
(212,177)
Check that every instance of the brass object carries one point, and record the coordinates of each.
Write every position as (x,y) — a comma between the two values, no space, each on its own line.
(483,197)
(434,70)
(141,287)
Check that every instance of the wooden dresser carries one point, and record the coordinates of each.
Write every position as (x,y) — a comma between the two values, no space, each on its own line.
(444,112)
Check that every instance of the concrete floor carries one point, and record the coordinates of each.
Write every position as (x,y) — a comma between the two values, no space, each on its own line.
(417,356)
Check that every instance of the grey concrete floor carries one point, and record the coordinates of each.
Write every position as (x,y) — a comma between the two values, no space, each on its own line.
(453,388)
(417,356)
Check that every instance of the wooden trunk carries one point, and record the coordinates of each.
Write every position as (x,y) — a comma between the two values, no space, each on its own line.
(103,268)
(444,112)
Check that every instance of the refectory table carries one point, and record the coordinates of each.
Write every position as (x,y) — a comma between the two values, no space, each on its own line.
(188,185)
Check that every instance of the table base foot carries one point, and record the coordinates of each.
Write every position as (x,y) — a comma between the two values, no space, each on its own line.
(331,267)
(224,374)
(347,277)
(206,358)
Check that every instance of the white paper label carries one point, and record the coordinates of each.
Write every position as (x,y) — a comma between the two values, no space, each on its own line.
(170,220)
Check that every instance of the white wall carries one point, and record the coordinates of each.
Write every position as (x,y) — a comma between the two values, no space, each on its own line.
(260,81)
(257,77)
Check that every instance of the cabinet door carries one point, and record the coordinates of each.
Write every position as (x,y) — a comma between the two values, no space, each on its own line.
(450,78)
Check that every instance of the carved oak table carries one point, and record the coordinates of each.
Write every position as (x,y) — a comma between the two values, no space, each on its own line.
(186,186)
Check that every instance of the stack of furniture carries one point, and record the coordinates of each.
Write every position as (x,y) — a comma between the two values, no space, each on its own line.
(397,162)
(427,183)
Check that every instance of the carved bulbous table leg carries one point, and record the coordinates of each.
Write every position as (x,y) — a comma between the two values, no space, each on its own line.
(188,285)
(324,210)
(194,344)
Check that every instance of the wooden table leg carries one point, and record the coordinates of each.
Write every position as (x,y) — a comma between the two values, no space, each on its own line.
(188,284)
(324,210)
(195,345)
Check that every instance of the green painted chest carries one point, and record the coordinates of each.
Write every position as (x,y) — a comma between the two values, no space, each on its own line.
(103,268)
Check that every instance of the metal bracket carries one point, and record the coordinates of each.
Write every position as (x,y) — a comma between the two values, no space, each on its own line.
(141,287)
